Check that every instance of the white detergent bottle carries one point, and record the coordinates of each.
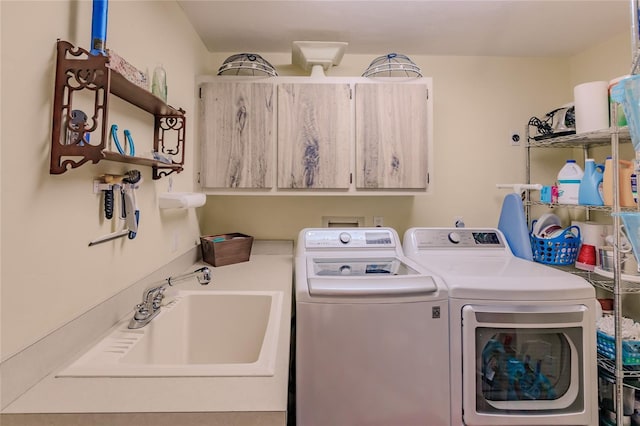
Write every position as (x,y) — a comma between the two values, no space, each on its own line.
(589,191)
(569,178)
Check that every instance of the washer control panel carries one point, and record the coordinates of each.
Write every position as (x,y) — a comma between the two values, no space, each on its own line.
(352,238)
(441,238)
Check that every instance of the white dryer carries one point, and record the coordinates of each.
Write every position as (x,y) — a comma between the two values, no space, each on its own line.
(523,339)
(371,332)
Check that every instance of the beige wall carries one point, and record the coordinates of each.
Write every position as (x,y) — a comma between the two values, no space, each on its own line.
(49,274)
(478,101)
(605,61)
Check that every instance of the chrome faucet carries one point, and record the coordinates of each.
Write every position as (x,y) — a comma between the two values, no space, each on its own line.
(152,296)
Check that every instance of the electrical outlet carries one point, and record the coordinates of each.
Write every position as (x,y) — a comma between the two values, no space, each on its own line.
(515,138)
(378,221)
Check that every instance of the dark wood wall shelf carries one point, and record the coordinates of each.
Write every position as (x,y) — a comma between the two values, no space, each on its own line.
(80,136)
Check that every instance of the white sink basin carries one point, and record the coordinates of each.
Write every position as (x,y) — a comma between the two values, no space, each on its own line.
(199,333)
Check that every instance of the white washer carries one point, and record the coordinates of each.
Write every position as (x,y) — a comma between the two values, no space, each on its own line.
(371,332)
(523,340)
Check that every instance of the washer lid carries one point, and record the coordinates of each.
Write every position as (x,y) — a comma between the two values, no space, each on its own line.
(374,286)
(379,276)
(350,267)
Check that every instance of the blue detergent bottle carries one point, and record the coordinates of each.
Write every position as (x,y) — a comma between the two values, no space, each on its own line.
(589,192)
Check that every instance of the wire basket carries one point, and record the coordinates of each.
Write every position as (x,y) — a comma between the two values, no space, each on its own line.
(560,250)
(250,64)
(392,65)
(630,349)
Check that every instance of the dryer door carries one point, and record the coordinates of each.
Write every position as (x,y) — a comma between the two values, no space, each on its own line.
(527,365)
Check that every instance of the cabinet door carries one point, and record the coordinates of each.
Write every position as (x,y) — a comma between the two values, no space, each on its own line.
(237,124)
(314,132)
(391,136)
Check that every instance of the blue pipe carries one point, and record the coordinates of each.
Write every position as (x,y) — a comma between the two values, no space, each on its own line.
(99,27)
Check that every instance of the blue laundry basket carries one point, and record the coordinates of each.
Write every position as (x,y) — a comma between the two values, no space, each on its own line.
(561,250)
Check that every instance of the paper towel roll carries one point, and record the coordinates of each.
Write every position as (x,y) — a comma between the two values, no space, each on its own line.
(591,102)
(181,200)
(593,233)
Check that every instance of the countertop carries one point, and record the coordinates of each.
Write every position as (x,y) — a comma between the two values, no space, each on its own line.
(183,394)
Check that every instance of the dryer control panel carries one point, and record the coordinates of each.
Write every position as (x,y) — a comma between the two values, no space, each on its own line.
(464,238)
(349,238)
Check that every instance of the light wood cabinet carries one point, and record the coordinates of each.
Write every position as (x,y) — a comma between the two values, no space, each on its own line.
(314,129)
(391,136)
(300,135)
(237,131)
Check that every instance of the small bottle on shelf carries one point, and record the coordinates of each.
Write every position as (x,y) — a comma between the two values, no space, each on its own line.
(159,83)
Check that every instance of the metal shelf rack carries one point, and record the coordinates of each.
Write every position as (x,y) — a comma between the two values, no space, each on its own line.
(615,371)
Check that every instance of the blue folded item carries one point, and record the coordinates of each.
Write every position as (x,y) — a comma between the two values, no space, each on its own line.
(528,384)
(503,371)
(513,225)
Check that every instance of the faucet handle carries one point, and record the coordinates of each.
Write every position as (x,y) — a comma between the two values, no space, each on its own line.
(141,311)
(157,299)
(205,277)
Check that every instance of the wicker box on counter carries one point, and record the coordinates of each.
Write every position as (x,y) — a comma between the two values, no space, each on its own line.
(226,249)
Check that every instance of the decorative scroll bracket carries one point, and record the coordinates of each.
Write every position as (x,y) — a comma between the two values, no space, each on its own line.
(80,114)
